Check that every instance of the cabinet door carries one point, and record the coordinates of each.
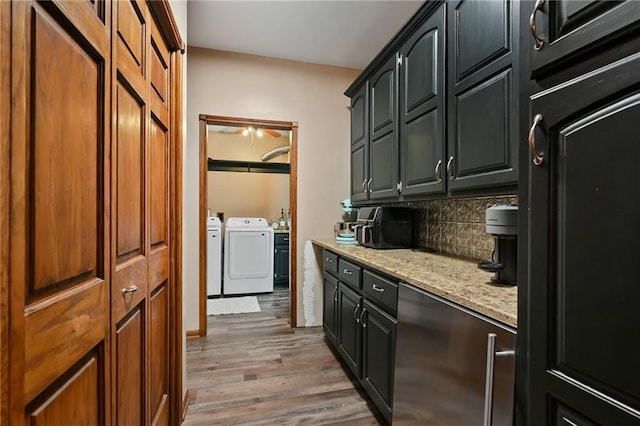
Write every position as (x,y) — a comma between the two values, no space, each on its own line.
(360,144)
(569,29)
(584,251)
(329,307)
(483,105)
(56,363)
(281,265)
(349,330)
(383,145)
(378,356)
(421,96)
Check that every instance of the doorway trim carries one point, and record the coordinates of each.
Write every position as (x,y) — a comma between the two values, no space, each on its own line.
(291,126)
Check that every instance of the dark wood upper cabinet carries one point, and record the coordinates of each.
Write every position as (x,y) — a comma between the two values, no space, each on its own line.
(564,31)
(443,112)
(422,95)
(360,144)
(383,145)
(483,110)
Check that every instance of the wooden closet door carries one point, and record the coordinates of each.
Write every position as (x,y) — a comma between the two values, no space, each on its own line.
(158,62)
(130,248)
(59,197)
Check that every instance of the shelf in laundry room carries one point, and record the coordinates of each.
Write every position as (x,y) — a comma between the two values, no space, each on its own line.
(247,166)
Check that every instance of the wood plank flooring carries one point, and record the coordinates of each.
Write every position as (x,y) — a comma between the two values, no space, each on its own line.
(254,369)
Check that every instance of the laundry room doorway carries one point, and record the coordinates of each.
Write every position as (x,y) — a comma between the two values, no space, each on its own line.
(248,169)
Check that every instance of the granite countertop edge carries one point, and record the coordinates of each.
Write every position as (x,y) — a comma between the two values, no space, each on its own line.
(457,280)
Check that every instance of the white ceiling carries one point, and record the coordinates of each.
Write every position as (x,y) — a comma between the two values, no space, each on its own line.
(346,33)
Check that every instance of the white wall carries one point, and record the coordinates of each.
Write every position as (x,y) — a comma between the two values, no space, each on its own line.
(235,85)
(179,8)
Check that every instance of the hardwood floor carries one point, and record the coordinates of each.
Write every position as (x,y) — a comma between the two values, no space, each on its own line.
(254,369)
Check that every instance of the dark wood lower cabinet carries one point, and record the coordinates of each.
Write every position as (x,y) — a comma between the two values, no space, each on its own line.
(349,330)
(361,327)
(378,355)
(329,308)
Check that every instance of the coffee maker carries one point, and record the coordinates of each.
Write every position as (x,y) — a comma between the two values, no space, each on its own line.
(502,222)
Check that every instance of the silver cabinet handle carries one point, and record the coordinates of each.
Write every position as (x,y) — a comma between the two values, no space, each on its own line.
(369,185)
(364,324)
(328,260)
(437,171)
(131,289)
(335,294)
(537,158)
(364,183)
(488,388)
(538,42)
(347,272)
(449,168)
(355,313)
(378,289)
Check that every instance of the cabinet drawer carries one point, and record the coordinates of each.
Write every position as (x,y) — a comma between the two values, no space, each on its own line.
(349,273)
(330,262)
(281,239)
(381,291)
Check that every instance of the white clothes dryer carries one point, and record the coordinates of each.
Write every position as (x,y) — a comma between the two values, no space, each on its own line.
(248,256)
(214,256)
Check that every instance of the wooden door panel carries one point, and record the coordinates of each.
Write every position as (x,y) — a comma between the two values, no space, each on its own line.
(159,351)
(58,334)
(77,401)
(159,183)
(130,21)
(130,400)
(58,195)
(65,147)
(159,75)
(158,267)
(130,174)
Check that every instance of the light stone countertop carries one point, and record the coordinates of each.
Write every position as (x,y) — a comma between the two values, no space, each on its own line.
(453,279)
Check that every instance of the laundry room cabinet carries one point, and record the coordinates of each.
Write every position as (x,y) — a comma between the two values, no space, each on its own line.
(90,220)
(281,258)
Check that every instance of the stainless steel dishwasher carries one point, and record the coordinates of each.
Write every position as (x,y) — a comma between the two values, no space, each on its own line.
(453,366)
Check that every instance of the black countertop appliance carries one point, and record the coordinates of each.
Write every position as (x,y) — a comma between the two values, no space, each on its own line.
(385,227)
(502,222)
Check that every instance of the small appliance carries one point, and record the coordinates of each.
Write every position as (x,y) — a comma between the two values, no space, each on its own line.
(502,222)
(385,227)
(345,231)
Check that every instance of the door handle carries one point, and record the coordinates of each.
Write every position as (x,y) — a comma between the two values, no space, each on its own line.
(355,313)
(131,289)
(449,168)
(437,171)
(488,388)
(364,324)
(538,42)
(378,289)
(537,158)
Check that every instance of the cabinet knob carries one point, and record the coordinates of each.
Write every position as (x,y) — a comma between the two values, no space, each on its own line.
(538,42)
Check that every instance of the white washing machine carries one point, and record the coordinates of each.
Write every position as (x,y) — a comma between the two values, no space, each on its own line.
(248,256)
(214,256)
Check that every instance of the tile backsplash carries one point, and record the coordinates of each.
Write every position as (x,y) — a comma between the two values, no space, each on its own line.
(457,226)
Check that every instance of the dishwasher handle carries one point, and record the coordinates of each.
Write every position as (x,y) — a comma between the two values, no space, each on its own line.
(488,388)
